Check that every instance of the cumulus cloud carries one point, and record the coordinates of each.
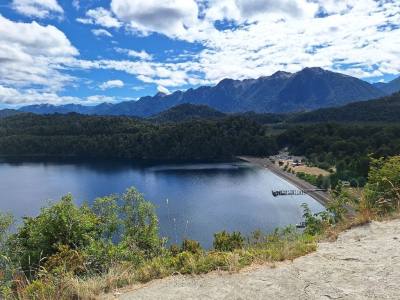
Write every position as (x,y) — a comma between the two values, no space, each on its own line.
(238,39)
(267,35)
(294,8)
(15,98)
(37,8)
(170,17)
(100,16)
(348,40)
(243,10)
(101,32)
(32,54)
(111,84)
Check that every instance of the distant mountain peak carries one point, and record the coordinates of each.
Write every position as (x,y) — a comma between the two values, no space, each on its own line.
(317,70)
(308,89)
(389,87)
(160,95)
(281,74)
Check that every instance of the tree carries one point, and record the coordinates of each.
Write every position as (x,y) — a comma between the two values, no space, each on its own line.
(140,223)
(107,209)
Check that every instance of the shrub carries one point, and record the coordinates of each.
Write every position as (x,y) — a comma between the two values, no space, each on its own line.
(174,249)
(383,188)
(191,246)
(315,223)
(66,260)
(223,241)
(38,290)
(62,224)
(6,266)
(340,204)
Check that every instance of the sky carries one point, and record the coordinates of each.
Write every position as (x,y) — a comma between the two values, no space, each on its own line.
(94,51)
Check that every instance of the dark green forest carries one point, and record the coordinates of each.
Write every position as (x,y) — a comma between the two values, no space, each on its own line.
(386,109)
(345,146)
(348,147)
(75,135)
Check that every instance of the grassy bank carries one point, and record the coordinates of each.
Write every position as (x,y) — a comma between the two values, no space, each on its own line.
(70,252)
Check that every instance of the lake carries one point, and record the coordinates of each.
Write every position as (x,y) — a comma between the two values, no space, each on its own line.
(203,198)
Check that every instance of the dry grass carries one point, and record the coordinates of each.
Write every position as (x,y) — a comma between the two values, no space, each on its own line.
(310,170)
(92,287)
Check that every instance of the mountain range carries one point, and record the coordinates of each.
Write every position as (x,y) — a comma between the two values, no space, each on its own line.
(390,87)
(282,92)
(385,109)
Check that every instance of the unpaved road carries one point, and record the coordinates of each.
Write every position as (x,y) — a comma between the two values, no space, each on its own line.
(364,263)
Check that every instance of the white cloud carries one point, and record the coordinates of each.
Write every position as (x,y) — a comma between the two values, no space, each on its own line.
(111,84)
(242,10)
(266,36)
(15,98)
(101,32)
(32,54)
(100,16)
(138,88)
(76,4)
(143,55)
(37,8)
(258,37)
(163,90)
(170,17)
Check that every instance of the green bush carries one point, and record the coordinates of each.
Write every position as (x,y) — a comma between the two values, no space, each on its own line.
(174,249)
(315,223)
(224,241)
(62,224)
(191,246)
(383,188)
(85,239)
(6,266)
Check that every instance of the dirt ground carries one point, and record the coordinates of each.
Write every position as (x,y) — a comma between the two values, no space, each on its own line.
(311,170)
(364,263)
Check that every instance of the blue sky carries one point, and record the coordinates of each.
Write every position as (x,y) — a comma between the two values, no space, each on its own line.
(91,51)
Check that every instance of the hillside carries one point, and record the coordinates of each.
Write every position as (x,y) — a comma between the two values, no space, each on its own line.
(308,89)
(360,265)
(386,109)
(390,87)
(187,112)
(111,137)
(4,113)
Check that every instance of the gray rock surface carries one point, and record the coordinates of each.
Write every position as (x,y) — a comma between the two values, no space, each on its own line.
(364,263)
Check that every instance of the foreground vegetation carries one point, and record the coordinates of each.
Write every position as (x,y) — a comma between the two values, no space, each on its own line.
(70,252)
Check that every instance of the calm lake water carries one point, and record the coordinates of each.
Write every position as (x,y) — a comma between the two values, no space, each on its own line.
(202,198)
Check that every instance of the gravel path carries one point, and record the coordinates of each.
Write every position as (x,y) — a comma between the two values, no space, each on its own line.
(364,263)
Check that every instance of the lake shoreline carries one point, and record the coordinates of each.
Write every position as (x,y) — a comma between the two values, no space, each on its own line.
(77,159)
(322,197)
